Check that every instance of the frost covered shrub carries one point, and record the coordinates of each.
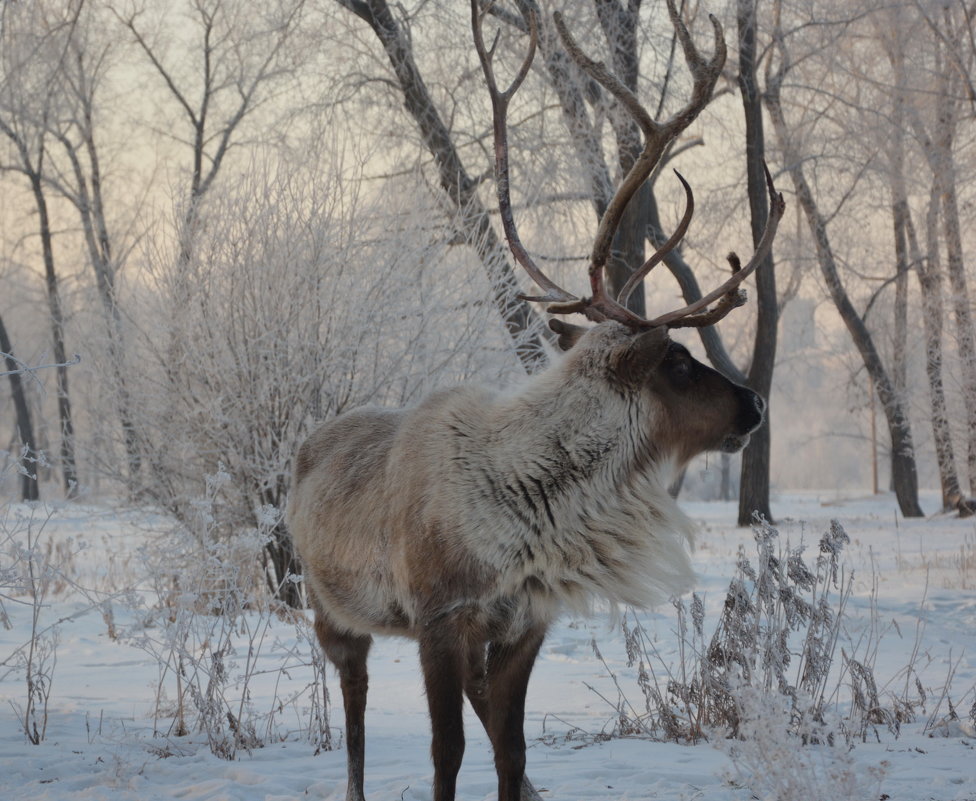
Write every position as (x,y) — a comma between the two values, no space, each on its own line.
(28,576)
(778,634)
(36,568)
(208,623)
(30,573)
(783,755)
(289,302)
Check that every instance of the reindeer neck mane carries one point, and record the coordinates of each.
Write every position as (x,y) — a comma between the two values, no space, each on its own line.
(585,511)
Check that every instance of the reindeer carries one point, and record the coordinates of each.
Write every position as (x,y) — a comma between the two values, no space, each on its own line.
(470,521)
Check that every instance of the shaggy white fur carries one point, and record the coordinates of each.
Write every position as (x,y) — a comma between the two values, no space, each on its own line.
(509,505)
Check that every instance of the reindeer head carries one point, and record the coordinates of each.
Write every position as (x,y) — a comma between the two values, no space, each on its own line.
(692,408)
(696,408)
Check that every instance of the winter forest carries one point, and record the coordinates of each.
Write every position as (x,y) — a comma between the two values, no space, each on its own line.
(222,222)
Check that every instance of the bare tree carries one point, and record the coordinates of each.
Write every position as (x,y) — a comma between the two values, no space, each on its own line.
(80,180)
(904,474)
(278,336)
(754,488)
(240,54)
(34,43)
(584,105)
(231,63)
(25,430)
(237,56)
(949,27)
(894,30)
(472,221)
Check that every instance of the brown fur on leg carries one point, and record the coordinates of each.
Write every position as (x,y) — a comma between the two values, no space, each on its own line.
(442,659)
(348,653)
(508,669)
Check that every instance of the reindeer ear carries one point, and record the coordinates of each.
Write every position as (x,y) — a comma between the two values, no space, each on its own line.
(569,334)
(642,355)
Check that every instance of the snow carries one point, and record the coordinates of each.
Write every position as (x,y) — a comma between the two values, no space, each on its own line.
(914,593)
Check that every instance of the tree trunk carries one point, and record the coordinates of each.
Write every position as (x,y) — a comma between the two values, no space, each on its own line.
(904,475)
(899,350)
(725,486)
(620,26)
(901,220)
(754,486)
(91,209)
(938,152)
(908,254)
(280,552)
(899,345)
(965,332)
(68,468)
(929,274)
(521,322)
(25,430)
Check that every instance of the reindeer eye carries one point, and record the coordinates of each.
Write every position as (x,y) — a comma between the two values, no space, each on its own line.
(681,370)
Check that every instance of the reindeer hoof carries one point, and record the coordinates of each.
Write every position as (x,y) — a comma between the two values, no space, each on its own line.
(529,792)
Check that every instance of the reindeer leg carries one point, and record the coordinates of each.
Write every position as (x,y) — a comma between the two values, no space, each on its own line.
(348,653)
(476,689)
(442,660)
(508,669)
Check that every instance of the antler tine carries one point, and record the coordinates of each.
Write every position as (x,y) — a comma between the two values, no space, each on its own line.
(599,72)
(730,295)
(700,69)
(499,107)
(656,139)
(657,136)
(665,249)
(730,300)
(654,145)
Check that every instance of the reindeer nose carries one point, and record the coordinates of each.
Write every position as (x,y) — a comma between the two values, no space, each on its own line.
(760,403)
(752,411)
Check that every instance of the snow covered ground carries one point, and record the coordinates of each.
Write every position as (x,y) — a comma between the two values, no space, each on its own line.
(914,598)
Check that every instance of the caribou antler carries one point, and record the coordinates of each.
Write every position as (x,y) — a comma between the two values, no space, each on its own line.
(729,295)
(499,108)
(665,249)
(657,136)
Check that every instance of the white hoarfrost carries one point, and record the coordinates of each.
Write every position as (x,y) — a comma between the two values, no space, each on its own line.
(111,713)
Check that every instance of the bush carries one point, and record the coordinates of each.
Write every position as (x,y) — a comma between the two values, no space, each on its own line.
(778,634)
(209,623)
